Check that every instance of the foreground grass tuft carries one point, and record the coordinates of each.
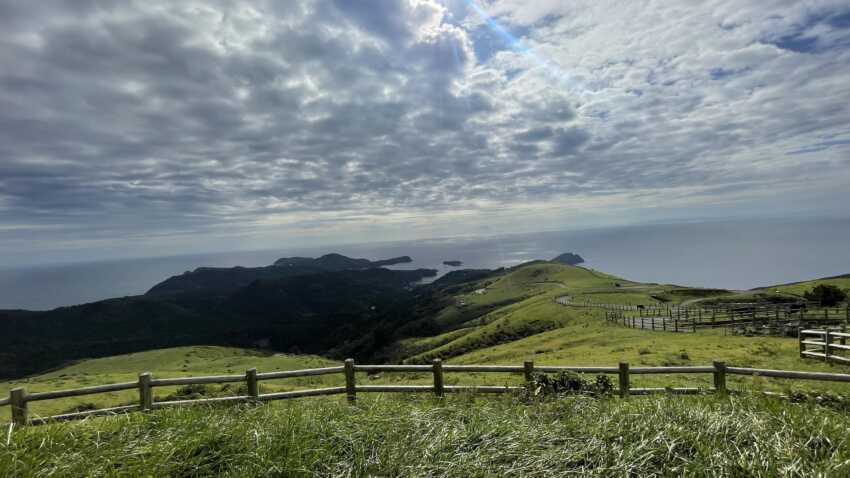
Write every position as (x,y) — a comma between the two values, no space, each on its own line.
(463,437)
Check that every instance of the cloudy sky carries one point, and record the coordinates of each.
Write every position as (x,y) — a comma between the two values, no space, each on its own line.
(152,127)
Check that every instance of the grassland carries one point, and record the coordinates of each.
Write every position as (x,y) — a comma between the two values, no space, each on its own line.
(458,437)
(798,288)
(512,318)
(164,363)
(530,327)
(539,329)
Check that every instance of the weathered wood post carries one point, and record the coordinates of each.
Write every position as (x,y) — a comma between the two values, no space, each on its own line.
(18,402)
(624,379)
(438,378)
(720,377)
(145,392)
(826,341)
(350,386)
(253,385)
(802,345)
(528,370)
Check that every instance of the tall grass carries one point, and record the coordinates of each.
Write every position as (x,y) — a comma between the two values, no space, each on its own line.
(461,436)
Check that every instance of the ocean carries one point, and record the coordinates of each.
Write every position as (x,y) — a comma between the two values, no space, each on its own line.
(725,254)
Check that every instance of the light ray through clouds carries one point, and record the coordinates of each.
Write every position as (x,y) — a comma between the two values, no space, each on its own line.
(128,130)
(552,69)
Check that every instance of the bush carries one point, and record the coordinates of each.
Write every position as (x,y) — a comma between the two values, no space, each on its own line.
(826,295)
(189,392)
(565,383)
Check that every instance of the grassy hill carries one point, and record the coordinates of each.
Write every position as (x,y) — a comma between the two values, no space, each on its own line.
(506,317)
(501,317)
(164,363)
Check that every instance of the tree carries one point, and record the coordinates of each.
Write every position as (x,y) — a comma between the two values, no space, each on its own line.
(826,295)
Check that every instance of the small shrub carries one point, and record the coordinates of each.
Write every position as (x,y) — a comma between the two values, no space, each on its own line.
(644,352)
(82,407)
(189,392)
(543,385)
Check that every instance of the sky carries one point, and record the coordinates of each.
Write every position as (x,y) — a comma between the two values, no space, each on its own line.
(138,128)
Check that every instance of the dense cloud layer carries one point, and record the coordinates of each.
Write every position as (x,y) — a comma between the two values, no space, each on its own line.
(151,122)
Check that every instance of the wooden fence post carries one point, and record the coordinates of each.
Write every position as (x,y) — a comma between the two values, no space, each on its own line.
(720,377)
(528,370)
(145,392)
(802,345)
(826,341)
(624,379)
(251,381)
(18,402)
(350,388)
(438,378)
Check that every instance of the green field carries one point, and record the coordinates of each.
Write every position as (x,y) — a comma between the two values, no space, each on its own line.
(165,363)
(512,318)
(798,288)
(458,437)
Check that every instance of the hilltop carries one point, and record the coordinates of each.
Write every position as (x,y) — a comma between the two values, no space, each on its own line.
(569,259)
(331,305)
(220,280)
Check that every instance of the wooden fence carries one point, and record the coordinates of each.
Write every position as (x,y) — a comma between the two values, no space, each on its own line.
(19,398)
(825,344)
(776,319)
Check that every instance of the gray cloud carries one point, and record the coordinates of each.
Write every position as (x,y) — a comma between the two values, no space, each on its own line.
(132,119)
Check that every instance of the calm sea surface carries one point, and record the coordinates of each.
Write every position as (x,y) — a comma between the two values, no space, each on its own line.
(736,255)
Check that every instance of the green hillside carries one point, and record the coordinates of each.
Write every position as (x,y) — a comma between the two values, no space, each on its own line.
(505,317)
(164,363)
(798,288)
(497,317)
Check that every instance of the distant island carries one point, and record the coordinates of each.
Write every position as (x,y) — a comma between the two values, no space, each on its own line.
(453,263)
(334,261)
(569,259)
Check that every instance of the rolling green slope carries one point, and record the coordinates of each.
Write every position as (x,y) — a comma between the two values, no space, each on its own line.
(163,363)
(798,288)
(508,316)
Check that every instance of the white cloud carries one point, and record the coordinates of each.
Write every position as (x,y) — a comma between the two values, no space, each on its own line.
(137,118)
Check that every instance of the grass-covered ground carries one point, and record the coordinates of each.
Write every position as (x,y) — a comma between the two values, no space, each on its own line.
(461,437)
(515,319)
(531,326)
(163,363)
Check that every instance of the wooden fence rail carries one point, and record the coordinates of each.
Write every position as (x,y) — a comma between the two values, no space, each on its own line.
(777,319)
(828,345)
(19,398)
